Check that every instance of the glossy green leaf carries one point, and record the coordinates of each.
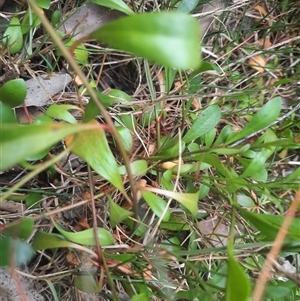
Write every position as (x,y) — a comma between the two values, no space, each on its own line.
(13,37)
(62,112)
(188,200)
(138,168)
(116,213)
(263,118)
(20,229)
(13,92)
(87,284)
(237,286)
(208,119)
(26,140)
(87,237)
(92,146)
(14,250)
(269,224)
(115,4)
(167,38)
(157,205)
(6,114)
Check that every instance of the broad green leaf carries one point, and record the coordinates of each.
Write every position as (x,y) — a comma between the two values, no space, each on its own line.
(157,205)
(29,21)
(87,284)
(167,38)
(188,200)
(237,286)
(208,119)
(62,112)
(25,140)
(13,37)
(226,131)
(171,244)
(20,229)
(13,92)
(44,241)
(116,213)
(6,114)
(92,146)
(138,168)
(269,224)
(245,201)
(115,4)
(263,118)
(87,237)
(14,250)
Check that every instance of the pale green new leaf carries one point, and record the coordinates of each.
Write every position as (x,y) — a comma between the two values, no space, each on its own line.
(167,38)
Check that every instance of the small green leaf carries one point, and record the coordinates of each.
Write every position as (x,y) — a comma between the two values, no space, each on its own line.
(117,214)
(187,6)
(61,112)
(33,200)
(138,168)
(167,38)
(13,37)
(115,4)
(157,205)
(13,93)
(188,200)
(43,3)
(245,201)
(26,140)
(87,237)
(208,119)
(263,118)
(237,286)
(126,138)
(21,229)
(92,146)
(29,21)
(87,284)
(14,250)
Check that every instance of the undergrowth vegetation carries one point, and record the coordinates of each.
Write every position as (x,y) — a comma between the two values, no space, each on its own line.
(167,168)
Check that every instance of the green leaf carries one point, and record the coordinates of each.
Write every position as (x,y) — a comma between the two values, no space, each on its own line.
(187,6)
(6,114)
(61,112)
(44,241)
(157,205)
(13,37)
(138,168)
(208,119)
(92,146)
(13,92)
(263,118)
(167,38)
(115,4)
(29,21)
(269,224)
(188,200)
(25,140)
(15,251)
(87,284)
(117,214)
(87,237)
(237,286)
(33,200)
(20,229)
(126,138)
(43,3)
